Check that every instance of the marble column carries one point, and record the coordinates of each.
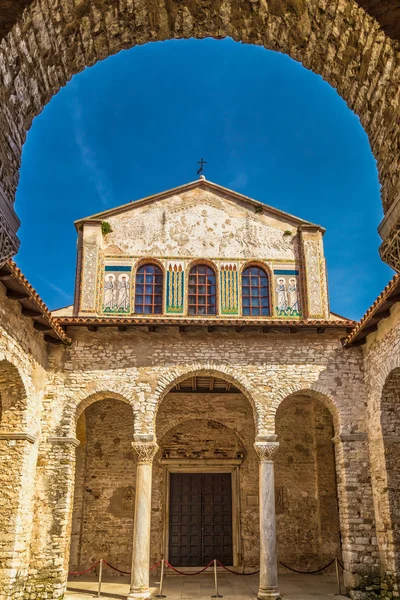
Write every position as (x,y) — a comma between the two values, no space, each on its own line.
(145,452)
(268,587)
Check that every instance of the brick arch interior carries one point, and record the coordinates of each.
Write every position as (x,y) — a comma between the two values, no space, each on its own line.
(102,518)
(308,531)
(53,41)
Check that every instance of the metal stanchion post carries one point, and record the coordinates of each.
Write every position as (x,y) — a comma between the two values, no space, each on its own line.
(160,594)
(100,576)
(338,576)
(217,595)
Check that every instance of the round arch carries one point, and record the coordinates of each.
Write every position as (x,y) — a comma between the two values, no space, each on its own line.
(13,396)
(222,372)
(340,42)
(74,410)
(322,396)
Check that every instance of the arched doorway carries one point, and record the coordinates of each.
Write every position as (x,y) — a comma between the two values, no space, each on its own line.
(205,476)
(103,507)
(308,530)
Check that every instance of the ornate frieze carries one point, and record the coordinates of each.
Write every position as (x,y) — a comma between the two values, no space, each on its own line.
(390,249)
(89,277)
(229,298)
(175,287)
(9,242)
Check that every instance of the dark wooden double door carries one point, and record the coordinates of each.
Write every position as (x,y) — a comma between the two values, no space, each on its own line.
(200,524)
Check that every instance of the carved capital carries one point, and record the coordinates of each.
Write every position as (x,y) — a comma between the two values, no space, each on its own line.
(145,451)
(9,242)
(266,450)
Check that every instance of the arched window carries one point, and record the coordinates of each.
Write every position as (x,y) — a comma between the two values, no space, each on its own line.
(255,292)
(202,291)
(149,290)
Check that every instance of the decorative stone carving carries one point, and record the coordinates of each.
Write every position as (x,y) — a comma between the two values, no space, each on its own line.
(88,301)
(266,450)
(9,242)
(390,249)
(312,268)
(145,451)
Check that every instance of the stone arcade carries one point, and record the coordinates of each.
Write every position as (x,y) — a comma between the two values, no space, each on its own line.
(198,401)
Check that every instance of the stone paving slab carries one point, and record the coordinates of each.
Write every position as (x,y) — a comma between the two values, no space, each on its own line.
(201,587)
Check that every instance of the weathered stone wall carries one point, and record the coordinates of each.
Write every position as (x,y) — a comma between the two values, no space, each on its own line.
(382,360)
(307,506)
(104,487)
(22,380)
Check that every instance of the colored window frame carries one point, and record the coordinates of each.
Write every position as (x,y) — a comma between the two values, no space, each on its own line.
(255,292)
(202,291)
(149,290)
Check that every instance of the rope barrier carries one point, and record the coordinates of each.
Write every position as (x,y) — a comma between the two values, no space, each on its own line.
(80,573)
(115,568)
(193,573)
(235,572)
(308,572)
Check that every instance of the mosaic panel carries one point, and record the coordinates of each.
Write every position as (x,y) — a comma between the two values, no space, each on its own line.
(175,287)
(89,269)
(229,289)
(116,289)
(287,293)
(312,263)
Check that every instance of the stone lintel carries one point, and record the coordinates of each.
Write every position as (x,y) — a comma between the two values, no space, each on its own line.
(21,435)
(349,437)
(64,440)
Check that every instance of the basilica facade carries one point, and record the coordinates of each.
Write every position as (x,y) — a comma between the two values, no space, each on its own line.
(198,401)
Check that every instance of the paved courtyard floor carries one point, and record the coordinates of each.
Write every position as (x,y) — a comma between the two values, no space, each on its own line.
(201,587)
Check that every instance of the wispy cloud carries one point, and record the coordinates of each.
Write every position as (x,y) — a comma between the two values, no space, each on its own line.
(239,181)
(62,293)
(88,155)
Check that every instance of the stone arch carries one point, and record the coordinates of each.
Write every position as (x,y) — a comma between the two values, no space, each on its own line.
(202,432)
(311,391)
(82,400)
(13,397)
(173,377)
(340,42)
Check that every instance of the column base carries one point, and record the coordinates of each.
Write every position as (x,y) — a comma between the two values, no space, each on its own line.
(143,594)
(271,593)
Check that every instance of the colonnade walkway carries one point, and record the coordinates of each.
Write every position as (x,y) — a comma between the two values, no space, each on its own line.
(201,587)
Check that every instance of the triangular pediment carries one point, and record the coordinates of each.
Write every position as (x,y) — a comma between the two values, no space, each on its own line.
(187,192)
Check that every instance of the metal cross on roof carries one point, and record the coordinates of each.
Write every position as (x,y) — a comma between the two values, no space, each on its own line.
(201,162)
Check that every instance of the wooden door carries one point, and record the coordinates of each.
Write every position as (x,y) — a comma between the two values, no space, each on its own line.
(200,527)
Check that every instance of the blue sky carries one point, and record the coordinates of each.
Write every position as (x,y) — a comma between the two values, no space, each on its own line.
(138,122)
